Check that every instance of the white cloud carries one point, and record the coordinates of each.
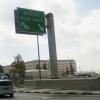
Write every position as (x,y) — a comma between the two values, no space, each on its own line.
(77,36)
(80,39)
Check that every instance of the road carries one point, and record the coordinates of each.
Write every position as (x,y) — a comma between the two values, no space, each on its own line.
(21,96)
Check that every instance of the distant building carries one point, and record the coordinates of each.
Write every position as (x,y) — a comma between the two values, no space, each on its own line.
(63,65)
(34,74)
(86,74)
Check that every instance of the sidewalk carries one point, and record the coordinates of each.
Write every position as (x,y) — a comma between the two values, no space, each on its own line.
(57,91)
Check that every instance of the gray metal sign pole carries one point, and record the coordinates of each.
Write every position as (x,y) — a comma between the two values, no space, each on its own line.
(39,57)
(52,46)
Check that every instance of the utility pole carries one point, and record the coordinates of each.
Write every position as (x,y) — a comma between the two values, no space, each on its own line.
(52,46)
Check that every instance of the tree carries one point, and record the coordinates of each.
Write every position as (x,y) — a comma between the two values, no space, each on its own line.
(44,66)
(18,68)
(37,66)
(1,69)
(67,70)
(71,68)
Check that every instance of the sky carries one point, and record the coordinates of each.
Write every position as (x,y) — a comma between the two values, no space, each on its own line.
(77,32)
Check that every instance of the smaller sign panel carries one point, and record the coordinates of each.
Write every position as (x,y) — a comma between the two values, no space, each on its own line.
(30,21)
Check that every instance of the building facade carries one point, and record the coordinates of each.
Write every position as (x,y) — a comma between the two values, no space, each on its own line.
(63,65)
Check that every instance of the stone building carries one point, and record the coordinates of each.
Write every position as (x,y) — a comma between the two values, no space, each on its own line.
(63,65)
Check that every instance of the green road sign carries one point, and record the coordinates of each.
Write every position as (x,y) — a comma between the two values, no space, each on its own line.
(30,21)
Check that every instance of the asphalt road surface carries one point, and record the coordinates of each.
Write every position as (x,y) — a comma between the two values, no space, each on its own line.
(25,96)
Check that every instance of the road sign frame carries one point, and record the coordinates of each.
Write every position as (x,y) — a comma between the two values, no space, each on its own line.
(35,21)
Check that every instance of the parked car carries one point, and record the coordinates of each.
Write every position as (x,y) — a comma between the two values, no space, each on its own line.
(4,78)
(6,88)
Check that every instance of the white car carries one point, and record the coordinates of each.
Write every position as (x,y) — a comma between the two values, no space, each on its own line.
(6,88)
(4,78)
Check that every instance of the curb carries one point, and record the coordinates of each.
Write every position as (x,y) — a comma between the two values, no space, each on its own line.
(60,92)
